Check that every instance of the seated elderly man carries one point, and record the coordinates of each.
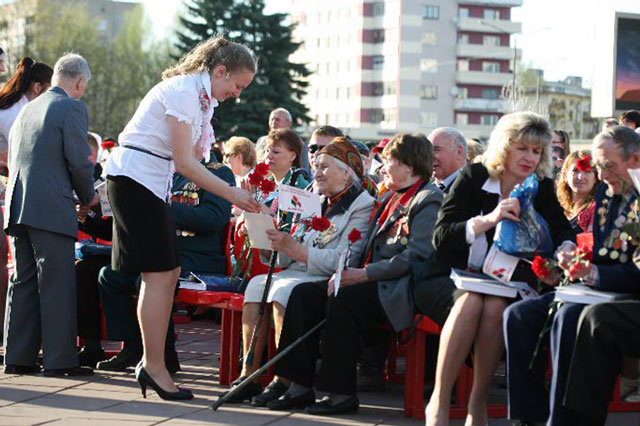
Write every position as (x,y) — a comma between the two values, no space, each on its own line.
(309,256)
(615,151)
(373,292)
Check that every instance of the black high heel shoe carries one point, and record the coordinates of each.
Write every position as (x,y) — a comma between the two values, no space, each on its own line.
(144,380)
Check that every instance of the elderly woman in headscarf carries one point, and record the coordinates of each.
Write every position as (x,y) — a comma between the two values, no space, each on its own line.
(307,255)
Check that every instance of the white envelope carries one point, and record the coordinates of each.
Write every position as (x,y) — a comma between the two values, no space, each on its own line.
(257,226)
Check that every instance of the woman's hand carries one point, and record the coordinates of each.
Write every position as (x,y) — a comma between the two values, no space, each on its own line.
(243,200)
(508,208)
(283,242)
(244,184)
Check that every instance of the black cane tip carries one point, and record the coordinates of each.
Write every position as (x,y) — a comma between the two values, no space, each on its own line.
(216,404)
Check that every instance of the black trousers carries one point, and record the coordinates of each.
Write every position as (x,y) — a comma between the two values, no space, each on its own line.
(88,296)
(118,290)
(352,317)
(607,332)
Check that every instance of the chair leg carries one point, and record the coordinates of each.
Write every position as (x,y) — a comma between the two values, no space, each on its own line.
(225,345)
(414,376)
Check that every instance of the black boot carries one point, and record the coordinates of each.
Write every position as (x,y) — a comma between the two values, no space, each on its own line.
(128,357)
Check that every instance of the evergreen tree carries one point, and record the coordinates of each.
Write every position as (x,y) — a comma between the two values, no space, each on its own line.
(278,82)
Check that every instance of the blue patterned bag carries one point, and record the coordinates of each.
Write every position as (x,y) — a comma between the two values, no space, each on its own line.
(529,236)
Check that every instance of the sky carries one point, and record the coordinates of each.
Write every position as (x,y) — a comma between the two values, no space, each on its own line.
(557,35)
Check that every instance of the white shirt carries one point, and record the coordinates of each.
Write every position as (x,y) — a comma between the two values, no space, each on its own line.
(449,179)
(479,246)
(7,117)
(148,129)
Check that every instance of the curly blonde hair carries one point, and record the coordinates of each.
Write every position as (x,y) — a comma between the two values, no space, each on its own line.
(524,127)
(211,53)
(564,191)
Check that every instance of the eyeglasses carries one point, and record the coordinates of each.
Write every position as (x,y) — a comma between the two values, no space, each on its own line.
(313,148)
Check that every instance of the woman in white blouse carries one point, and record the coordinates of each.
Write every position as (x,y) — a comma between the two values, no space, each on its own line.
(171,130)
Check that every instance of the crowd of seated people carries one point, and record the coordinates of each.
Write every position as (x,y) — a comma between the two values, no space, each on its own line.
(420,207)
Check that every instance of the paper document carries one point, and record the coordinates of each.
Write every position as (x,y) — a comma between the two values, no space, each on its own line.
(257,226)
(579,293)
(336,281)
(635,177)
(296,200)
(499,265)
(104,200)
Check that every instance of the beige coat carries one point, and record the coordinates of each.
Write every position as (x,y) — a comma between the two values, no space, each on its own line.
(324,249)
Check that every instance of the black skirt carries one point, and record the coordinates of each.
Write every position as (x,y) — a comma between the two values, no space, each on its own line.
(144,233)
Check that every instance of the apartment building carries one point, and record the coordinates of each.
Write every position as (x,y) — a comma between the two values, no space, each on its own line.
(381,67)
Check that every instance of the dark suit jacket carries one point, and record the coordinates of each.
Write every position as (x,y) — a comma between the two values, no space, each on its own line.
(48,160)
(614,276)
(466,199)
(203,252)
(391,263)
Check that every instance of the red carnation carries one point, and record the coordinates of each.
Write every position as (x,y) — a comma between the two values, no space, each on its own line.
(354,236)
(586,252)
(573,270)
(539,267)
(255,179)
(267,186)
(320,224)
(583,164)
(108,144)
(262,169)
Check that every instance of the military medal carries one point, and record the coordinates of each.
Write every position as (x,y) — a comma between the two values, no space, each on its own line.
(404,241)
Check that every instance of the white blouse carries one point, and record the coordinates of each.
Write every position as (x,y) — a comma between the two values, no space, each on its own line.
(181,97)
(7,117)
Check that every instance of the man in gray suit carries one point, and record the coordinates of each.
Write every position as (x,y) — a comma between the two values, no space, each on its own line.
(49,158)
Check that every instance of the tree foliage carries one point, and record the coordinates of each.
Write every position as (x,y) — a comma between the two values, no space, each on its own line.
(278,82)
(123,67)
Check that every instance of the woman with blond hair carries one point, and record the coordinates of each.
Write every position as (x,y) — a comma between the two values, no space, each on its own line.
(519,147)
(240,155)
(171,130)
(577,185)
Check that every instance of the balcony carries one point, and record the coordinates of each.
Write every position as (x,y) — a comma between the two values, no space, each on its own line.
(480,104)
(497,26)
(483,78)
(485,52)
(500,3)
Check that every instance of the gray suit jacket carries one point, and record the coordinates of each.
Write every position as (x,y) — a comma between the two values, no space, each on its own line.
(391,260)
(48,160)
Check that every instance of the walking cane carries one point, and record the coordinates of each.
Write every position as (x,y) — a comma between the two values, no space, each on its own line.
(265,294)
(221,400)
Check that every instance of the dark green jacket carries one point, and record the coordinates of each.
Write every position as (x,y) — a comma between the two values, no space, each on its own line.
(200,226)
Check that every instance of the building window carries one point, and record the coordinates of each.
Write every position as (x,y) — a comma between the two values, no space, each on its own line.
(463,65)
(378,89)
(429,119)
(389,114)
(378,9)
(489,93)
(491,67)
(337,93)
(378,62)
(428,65)
(489,119)
(378,36)
(463,92)
(491,14)
(429,92)
(430,12)
(491,40)
(462,118)
(463,12)
(377,116)
(429,38)
(389,88)
(348,92)
(463,38)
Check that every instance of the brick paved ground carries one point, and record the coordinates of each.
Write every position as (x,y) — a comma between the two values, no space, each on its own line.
(114,398)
